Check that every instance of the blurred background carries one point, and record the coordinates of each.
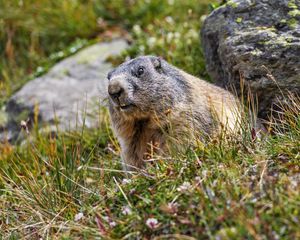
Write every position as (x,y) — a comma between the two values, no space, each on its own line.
(34,34)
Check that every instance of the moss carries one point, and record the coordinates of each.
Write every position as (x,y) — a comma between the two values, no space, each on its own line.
(289,39)
(281,40)
(239,20)
(292,23)
(292,4)
(232,4)
(92,53)
(256,52)
(294,13)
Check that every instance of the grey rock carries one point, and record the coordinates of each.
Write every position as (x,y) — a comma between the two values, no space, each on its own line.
(67,96)
(257,41)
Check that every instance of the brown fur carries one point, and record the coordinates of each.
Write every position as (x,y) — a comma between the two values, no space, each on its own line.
(199,109)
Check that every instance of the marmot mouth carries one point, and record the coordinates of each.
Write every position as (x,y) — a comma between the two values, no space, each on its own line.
(126,107)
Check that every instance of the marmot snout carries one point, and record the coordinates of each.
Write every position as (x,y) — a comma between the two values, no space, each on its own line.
(146,94)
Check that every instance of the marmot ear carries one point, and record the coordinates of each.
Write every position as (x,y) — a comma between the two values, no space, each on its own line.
(156,62)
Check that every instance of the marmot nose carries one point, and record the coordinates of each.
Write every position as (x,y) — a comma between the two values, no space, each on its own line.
(115,90)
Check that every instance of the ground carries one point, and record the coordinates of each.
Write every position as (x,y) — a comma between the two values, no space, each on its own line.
(71,186)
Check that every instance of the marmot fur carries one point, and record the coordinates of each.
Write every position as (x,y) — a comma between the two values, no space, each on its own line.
(148,97)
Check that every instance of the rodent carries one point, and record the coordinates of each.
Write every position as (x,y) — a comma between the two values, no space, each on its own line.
(148,97)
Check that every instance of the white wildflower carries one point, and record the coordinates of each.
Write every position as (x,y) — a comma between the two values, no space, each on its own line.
(204,173)
(112,224)
(151,41)
(126,210)
(110,221)
(100,21)
(78,216)
(170,2)
(184,187)
(177,35)
(170,36)
(198,179)
(132,191)
(126,181)
(60,54)
(152,223)
(40,69)
(169,19)
(192,33)
(173,207)
(294,183)
(137,29)
(73,49)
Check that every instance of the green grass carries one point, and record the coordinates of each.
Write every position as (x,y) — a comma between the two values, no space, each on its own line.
(31,31)
(236,188)
(35,34)
(170,30)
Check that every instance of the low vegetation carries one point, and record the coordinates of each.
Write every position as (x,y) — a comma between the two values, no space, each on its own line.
(71,185)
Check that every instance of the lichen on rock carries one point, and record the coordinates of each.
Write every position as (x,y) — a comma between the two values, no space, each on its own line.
(253,40)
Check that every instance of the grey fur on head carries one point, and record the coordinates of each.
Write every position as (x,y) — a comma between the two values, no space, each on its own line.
(146,94)
(143,83)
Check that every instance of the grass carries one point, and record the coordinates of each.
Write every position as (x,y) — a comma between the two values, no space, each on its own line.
(36,34)
(31,31)
(224,189)
(71,186)
(169,30)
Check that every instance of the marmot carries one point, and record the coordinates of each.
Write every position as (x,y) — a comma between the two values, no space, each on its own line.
(148,97)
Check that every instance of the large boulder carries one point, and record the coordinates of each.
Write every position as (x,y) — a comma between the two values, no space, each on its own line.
(256,42)
(66,97)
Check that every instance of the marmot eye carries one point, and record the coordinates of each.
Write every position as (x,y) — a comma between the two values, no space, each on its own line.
(140,71)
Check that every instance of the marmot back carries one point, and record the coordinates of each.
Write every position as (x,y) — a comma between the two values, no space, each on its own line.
(147,96)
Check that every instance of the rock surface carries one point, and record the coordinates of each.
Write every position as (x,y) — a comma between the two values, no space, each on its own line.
(68,95)
(257,41)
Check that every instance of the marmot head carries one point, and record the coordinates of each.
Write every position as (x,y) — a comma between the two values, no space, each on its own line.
(145,85)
